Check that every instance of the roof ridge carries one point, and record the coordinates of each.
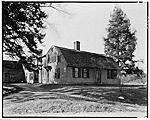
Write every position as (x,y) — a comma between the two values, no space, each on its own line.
(103,55)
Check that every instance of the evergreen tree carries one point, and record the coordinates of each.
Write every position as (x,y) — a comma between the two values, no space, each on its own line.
(22,28)
(120,41)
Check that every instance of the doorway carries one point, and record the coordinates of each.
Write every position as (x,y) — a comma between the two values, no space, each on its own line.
(98,76)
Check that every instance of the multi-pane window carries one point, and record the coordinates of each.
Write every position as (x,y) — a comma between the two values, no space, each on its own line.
(85,73)
(51,59)
(114,76)
(76,72)
(111,74)
(80,73)
(108,74)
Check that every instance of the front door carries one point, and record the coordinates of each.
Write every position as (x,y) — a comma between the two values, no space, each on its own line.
(98,76)
(47,77)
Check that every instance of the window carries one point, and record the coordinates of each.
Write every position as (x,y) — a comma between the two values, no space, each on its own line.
(48,59)
(59,58)
(76,73)
(12,77)
(12,65)
(53,59)
(108,74)
(85,73)
(114,74)
(111,74)
(80,72)
(57,73)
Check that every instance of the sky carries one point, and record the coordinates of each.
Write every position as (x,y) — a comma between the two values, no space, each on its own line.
(87,24)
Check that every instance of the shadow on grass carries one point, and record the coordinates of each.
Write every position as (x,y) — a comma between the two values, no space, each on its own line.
(131,94)
(11,91)
(90,93)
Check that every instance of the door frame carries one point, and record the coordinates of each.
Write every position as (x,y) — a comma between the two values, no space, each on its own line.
(98,76)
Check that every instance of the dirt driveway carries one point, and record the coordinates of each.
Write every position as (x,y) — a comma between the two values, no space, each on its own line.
(75,100)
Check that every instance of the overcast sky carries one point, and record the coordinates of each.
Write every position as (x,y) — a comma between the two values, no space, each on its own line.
(88,24)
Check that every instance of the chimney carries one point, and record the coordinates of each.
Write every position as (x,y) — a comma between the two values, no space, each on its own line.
(77,45)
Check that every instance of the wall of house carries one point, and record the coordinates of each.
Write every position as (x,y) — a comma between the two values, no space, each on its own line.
(91,79)
(108,81)
(71,80)
(54,65)
(44,76)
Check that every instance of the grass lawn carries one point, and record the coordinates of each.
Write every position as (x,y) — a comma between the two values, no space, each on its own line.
(39,99)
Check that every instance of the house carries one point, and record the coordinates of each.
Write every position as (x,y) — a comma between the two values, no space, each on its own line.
(73,66)
(13,71)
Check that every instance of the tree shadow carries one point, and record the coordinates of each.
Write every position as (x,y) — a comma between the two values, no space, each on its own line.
(11,91)
(89,93)
(131,95)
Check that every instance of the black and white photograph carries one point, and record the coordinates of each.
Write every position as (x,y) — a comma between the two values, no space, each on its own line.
(76,59)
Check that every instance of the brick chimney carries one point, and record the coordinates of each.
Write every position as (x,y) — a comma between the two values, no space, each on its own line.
(77,45)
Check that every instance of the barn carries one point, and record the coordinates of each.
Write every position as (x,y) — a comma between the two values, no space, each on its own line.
(13,71)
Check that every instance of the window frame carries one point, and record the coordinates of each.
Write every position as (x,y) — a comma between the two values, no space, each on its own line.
(12,77)
(111,74)
(114,75)
(48,58)
(59,58)
(78,72)
(85,74)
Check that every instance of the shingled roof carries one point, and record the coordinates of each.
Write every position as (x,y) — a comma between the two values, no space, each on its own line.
(87,59)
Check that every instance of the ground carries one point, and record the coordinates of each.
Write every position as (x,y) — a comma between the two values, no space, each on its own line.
(21,99)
